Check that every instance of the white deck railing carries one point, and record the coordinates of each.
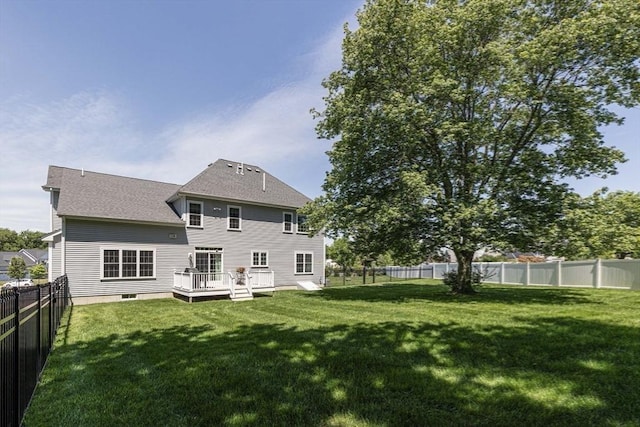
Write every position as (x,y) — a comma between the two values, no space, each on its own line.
(194,282)
(261,279)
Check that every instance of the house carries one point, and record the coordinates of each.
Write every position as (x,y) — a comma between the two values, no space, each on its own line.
(231,231)
(31,257)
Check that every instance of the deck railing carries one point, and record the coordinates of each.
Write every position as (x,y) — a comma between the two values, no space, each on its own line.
(193,281)
(261,279)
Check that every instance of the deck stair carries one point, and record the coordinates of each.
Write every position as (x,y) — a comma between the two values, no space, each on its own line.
(242,294)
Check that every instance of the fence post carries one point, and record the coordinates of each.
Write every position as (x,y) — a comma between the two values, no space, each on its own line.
(598,273)
(39,328)
(16,362)
(526,276)
(51,308)
(559,272)
(502,273)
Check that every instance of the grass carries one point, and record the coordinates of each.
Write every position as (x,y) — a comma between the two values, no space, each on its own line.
(405,353)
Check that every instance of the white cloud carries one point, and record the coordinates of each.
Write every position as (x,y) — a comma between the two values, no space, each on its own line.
(97,131)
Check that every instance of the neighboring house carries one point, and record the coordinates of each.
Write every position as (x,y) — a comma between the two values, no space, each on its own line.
(31,257)
(118,238)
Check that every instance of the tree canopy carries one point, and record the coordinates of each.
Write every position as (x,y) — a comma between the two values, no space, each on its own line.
(455,122)
(12,241)
(17,268)
(603,225)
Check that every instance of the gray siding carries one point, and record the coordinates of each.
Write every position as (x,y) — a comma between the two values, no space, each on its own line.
(261,230)
(85,239)
(57,221)
(55,261)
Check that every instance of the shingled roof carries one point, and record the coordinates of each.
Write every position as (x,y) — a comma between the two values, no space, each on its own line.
(242,182)
(101,196)
(95,195)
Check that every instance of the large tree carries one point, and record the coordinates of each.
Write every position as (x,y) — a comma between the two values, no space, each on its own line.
(603,225)
(455,122)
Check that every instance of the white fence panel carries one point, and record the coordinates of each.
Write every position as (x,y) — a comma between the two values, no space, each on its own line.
(543,274)
(620,274)
(580,273)
(491,271)
(515,273)
(616,274)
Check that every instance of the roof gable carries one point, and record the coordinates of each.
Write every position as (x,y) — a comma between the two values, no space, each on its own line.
(242,182)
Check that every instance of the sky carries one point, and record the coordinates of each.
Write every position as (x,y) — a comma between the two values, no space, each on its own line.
(160,89)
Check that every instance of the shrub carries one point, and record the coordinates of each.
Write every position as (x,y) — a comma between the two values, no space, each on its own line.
(451,279)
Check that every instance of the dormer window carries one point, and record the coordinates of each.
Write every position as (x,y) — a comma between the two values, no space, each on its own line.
(194,216)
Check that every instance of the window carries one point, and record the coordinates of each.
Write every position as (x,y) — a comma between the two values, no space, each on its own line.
(303,227)
(304,262)
(287,222)
(111,263)
(128,263)
(259,259)
(234,220)
(195,214)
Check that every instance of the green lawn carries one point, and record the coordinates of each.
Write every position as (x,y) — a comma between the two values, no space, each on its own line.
(405,353)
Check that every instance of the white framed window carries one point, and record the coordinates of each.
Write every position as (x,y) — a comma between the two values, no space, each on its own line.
(128,263)
(234,218)
(302,226)
(304,262)
(259,259)
(287,222)
(195,215)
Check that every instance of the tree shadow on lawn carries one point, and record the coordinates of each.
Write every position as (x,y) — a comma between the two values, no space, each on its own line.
(407,292)
(555,371)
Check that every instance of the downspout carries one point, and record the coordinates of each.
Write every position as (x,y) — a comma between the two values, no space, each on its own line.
(323,278)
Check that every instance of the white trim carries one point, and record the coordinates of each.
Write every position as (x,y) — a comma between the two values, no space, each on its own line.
(137,249)
(50,237)
(239,228)
(304,262)
(260,252)
(285,222)
(188,213)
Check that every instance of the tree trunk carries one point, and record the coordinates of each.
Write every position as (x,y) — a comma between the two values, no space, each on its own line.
(464,283)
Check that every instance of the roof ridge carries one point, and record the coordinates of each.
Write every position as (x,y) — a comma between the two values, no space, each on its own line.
(113,175)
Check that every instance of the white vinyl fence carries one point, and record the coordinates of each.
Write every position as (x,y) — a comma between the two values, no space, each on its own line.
(610,273)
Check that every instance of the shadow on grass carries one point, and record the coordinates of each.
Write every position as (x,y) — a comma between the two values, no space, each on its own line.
(556,371)
(407,291)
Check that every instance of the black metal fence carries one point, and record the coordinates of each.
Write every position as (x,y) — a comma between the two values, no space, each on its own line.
(365,275)
(29,319)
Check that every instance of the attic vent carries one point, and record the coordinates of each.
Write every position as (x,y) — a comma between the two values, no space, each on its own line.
(258,170)
(230,165)
(240,169)
(249,169)
(209,165)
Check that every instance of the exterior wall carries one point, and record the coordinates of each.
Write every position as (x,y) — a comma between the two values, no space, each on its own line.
(261,230)
(56,221)
(84,240)
(55,262)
